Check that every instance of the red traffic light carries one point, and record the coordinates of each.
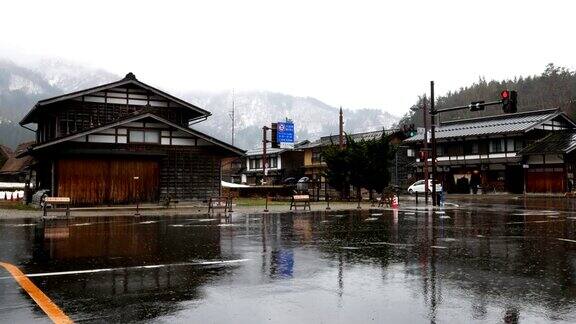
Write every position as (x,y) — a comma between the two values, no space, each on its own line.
(505,94)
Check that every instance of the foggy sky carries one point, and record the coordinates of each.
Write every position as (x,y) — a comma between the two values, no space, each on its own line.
(356,54)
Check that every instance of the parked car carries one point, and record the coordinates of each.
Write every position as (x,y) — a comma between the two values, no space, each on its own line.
(418,187)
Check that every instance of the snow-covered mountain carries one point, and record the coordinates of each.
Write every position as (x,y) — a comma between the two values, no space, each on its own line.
(312,117)
(21,87)
(69,77)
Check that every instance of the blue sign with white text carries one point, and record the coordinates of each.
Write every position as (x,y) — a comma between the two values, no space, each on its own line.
(285,133)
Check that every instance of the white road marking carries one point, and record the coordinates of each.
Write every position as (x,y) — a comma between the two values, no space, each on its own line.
(75,272)
(148,222)
(19,225)
(391,244)
(82,224)
(438,247)
(566,240)
(376,214)
(535,222)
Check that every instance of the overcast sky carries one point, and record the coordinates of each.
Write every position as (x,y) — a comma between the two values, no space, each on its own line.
(373,54)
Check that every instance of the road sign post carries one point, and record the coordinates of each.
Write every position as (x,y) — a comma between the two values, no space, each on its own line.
(285,134)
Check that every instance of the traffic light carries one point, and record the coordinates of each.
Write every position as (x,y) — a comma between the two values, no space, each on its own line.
(509,101)
(409,131)
(274,135)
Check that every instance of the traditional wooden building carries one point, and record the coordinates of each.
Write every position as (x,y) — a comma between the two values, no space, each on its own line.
(124,142)
(282,163)
(492,152)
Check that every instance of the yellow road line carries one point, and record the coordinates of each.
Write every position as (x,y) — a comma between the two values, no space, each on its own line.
(55,313)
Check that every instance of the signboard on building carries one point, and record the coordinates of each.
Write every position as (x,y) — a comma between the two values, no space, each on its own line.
(285,134)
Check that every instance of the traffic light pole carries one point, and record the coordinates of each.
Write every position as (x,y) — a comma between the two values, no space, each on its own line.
(425,110)
(478,106)
(506,96)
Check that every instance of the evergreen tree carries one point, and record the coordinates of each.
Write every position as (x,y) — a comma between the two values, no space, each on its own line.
(363,164)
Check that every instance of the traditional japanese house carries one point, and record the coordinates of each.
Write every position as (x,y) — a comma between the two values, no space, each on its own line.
(282,163)
(124,142)
(550,162)
(492,152)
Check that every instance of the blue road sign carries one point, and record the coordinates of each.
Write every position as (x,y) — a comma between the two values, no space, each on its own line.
(285,133)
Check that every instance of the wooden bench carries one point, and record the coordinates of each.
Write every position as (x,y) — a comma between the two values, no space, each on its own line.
(219,202)
(169,201)
(56,201)
(300,200)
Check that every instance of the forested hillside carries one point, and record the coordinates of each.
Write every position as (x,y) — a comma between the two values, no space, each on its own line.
(554,88)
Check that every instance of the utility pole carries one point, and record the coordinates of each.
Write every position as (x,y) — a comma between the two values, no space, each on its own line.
(341,130)
(425,155)
(264,142)
(232,115)
(433,135)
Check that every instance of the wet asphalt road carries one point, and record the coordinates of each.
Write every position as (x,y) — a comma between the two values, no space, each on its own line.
(484,261)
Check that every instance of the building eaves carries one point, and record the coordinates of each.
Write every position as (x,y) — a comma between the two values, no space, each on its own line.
(190,131)
(560,142)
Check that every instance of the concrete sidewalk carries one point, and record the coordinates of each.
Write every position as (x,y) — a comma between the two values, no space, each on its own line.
(190,209)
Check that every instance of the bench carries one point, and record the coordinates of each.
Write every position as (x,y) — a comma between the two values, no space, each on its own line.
(56,201)
(219,202)
(300,200)
(168,200)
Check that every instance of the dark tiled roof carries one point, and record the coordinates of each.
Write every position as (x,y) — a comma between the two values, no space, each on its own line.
(556,143)
(500,124)
(129,80)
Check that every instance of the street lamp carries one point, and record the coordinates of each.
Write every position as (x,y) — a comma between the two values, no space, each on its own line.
(137,196)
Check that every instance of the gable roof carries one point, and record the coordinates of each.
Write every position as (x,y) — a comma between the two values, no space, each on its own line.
(18,163)
(491,125)
(561,142)
(129,79)
(190,131)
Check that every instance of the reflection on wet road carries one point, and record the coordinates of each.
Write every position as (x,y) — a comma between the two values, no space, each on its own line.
(476,263)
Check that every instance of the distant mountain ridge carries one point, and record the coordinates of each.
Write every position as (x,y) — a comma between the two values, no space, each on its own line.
(21,87)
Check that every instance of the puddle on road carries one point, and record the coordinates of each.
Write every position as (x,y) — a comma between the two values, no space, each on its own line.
(342,267)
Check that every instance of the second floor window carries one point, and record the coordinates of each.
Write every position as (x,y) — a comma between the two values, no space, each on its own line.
(470,148)
(497,146)
(317,156)
(256,163)
(144,136)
